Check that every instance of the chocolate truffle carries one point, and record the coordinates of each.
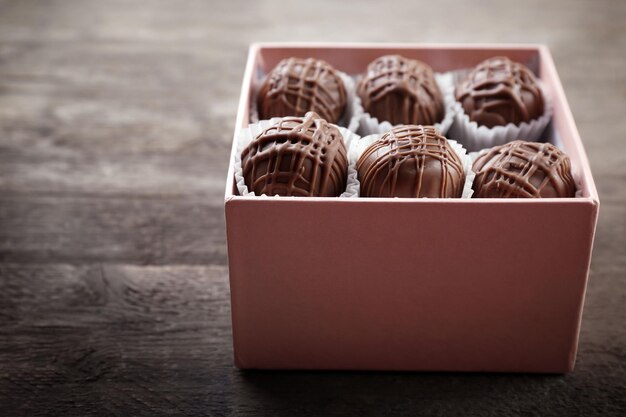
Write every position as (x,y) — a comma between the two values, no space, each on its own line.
(411,161)
(296,86)
(401,91)
(499,91)
(299,156)
(523,169)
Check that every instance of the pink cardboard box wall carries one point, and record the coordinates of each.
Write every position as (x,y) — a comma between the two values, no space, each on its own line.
(410,284)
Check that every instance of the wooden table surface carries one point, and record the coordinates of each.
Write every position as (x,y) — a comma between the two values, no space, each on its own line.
(115,127)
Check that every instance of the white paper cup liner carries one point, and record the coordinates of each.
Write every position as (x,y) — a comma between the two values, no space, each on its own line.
(354,109)
(248,134)
(359,145)
(371,125)
(351,116)
(475,137)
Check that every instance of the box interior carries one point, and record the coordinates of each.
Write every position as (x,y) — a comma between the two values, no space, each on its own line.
(354,58)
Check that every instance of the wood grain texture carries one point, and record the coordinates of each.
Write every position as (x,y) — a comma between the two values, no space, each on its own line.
(115,127)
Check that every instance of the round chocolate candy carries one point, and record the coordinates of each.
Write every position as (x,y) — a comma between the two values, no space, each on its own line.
(401,91)
(296,86)
(521,169)
(411,161)
(499,91)
(299,156)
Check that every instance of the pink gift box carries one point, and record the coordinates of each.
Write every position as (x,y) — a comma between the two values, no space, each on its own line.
(410,284)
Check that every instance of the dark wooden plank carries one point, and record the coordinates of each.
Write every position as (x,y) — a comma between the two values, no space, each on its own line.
(122,339)
(114,340)
(81,229)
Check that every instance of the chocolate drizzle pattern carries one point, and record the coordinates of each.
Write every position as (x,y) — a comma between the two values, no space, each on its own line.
(499,91)
(299,156)
(401,91)
(523,169)
(296,86)
(411,161)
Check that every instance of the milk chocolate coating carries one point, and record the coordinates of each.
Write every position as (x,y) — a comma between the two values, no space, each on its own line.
(296,86)
(401,91)
(411,161)
(521,169)
(299,156)
(499,91)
